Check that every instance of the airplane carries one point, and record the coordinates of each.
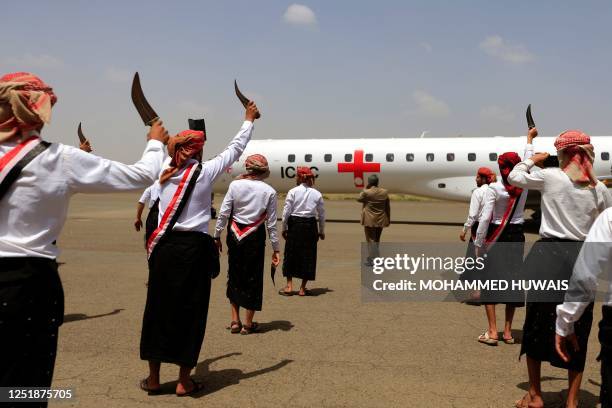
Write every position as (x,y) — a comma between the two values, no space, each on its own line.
(441,168)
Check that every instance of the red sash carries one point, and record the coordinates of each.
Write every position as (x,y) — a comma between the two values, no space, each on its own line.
(174,209)
(508,214)
(13,162)
(241,233)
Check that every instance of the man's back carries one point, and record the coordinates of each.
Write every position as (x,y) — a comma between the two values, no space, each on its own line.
(376,211)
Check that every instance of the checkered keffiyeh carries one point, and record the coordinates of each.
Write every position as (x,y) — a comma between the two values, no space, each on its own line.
(182,147)
(25,104)
(576,156)
(257,167)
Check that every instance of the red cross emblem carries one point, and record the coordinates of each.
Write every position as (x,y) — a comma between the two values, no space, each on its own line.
(358,167)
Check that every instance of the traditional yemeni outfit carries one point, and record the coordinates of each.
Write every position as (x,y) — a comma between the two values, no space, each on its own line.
(572,198)
(302,207)
(150,198)
(182,256)
(595,260)
(476,206)
(249,207)
(502,222)
(33,210)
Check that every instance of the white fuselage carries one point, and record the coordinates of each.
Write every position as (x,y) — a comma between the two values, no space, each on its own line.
(442,168)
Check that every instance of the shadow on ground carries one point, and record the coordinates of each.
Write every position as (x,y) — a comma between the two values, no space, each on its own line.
(274,325)
(217,380)
(557,399)
(75,317)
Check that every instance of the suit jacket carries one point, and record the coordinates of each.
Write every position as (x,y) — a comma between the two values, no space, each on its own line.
(376,211)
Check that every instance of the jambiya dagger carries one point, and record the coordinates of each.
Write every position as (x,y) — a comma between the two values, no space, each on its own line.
(146,112)
(243,99)
(530,122)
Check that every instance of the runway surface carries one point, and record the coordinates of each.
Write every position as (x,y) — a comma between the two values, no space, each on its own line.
(328,350)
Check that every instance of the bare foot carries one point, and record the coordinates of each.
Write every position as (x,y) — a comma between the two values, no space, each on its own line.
(530,401)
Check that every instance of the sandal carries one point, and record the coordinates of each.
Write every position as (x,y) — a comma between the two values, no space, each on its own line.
(249,330)
(144,385)
(305,293)
(508,341)
(283,292)
(197,387)
(484,338)
(235,326)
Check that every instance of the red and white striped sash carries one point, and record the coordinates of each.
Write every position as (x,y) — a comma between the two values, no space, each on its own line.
(12,157)
(245,231)
(172,212)
(508,214)
(13,162)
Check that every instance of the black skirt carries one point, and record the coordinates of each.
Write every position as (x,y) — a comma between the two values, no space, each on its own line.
(300,260)
(552,259)
(246,268)
(31,311)
(174,321)
(605,339)
(504,262)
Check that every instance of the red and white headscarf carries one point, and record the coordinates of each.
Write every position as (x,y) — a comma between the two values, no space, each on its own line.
(25,104)
(182,147)
(487,174)
(576,156)
(506,163)
(305,175)
(257,167)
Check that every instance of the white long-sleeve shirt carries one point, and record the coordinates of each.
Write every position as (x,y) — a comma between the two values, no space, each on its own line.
(196,213)
(495,205)
(595,260)
(246,200)
(34,210)
(476,206)
(568,211)
(150,195)
(304,201)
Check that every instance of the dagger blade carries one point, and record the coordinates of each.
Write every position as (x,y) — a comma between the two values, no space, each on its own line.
(82,137)
(243,99)
(530,122)
(146,112)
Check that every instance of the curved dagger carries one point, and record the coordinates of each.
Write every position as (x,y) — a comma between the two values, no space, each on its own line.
(146,112)
(243,99)
(82,137)
(530,122)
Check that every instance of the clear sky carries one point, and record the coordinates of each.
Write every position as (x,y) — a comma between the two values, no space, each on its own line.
(317,69)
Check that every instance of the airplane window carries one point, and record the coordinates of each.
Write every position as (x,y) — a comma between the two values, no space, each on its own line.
(348,157)
(493,156)
(429,157)
(369,157)
(390,157)
(327,157)
(605,156)
(471,156)
(450,156)
(308,158)
(291,158)
(409,157)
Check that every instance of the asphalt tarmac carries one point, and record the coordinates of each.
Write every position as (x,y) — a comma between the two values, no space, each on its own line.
(327,350)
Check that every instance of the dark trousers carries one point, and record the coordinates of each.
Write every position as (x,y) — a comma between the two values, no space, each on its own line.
(372,235)
(605,357)
(31,311)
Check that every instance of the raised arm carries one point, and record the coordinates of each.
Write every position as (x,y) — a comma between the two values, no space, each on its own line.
(234,149)
(87,173)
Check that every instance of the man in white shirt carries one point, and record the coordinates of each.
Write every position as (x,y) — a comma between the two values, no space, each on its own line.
(302,206)
(594,261)
(32,213)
